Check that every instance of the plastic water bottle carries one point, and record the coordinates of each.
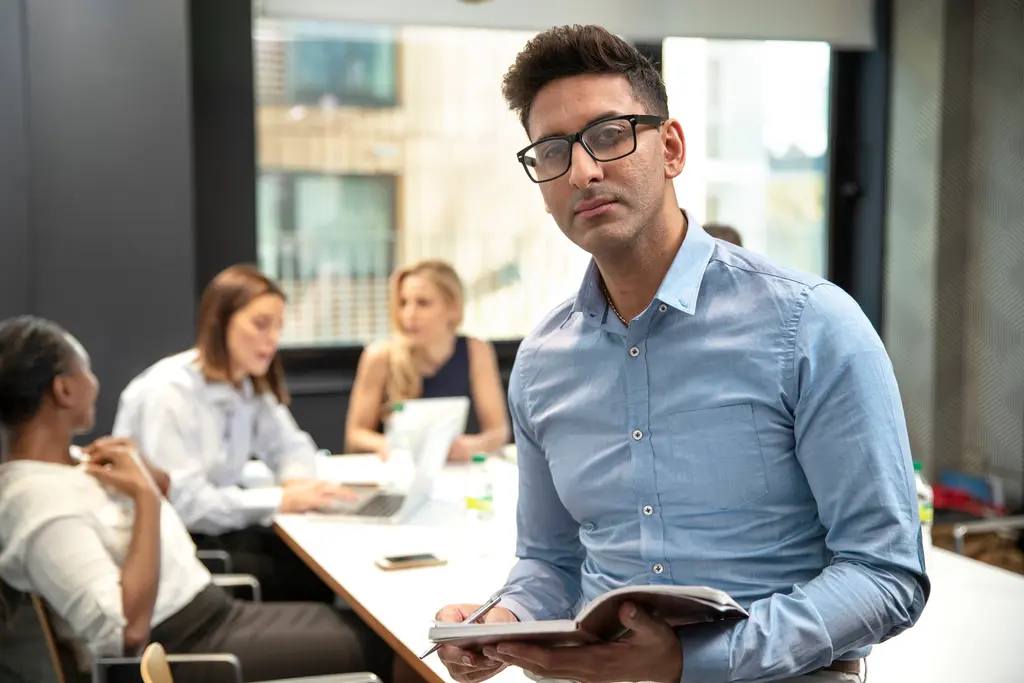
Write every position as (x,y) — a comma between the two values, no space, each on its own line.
(479,490)
(926,507)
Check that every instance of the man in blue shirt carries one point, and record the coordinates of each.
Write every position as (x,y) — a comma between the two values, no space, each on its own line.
(694,415)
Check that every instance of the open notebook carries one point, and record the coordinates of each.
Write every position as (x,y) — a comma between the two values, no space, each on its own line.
(599,620)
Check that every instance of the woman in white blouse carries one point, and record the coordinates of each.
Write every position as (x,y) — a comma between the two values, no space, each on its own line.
(202,414)
(89,532)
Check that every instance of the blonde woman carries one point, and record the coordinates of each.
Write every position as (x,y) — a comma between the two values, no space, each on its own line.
(427,358)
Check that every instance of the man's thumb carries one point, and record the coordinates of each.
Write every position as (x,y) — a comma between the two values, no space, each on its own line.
(636,619)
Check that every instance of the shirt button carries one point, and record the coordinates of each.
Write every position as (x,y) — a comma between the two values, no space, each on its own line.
(637,435)
(648,510)
(657,569)
(634,351)
(663,308)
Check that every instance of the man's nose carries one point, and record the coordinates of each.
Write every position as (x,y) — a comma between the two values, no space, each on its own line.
(584,170)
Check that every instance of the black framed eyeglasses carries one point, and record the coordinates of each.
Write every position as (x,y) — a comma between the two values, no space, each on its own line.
(605,140)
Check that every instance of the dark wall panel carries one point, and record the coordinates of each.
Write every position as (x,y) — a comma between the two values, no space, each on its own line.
(224,129)
(15,292)
(111,195)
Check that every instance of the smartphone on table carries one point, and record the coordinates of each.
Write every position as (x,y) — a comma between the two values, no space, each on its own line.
(393,562)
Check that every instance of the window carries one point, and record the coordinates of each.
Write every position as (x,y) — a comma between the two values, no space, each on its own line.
(329,241)
(326,64)
(349,191)
(756,148)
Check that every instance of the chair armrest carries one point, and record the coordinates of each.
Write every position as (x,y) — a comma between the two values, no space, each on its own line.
(364,677)
(101,666)
(216,556)
(961,530)
(236,580)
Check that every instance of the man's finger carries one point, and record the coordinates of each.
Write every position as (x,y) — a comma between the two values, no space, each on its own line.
(638,620)
(484,674)
(482,664)
(454,614)
(525,665)
(540,656)
(450,653)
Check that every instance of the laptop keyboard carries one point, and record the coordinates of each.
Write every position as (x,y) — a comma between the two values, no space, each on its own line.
(381,505)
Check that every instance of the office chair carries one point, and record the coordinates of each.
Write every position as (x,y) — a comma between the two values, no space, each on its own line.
(155,669)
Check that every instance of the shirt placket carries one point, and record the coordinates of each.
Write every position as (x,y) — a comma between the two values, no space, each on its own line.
(638,395)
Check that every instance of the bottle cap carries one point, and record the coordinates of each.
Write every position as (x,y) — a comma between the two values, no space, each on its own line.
(479,457)
(918,466)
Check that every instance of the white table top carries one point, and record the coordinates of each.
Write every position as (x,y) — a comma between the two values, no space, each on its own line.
(971,630)
(400,605)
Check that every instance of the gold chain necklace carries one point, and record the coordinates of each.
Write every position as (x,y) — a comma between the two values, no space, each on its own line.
(608,298)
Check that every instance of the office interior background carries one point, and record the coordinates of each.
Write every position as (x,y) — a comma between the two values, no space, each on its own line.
(148,145)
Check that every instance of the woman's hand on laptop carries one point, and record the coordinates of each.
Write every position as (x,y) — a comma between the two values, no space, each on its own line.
(461,450)
(309,495)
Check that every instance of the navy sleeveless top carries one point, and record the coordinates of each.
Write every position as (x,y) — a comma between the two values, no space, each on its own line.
(452,379)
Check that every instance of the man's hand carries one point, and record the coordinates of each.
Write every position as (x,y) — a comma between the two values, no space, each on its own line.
(651,652)
(463,665)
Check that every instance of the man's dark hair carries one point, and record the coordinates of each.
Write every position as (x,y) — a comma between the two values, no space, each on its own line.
(565,51)
(33,351)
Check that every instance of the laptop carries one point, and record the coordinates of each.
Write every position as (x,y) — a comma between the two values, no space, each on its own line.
(432,425)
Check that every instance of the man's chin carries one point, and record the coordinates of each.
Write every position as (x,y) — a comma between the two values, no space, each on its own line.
(599,237)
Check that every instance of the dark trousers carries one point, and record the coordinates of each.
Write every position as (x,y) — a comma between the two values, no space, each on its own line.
(271,640)
(261,552)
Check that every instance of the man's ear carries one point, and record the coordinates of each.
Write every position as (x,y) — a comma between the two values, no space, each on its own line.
(675,149)
(63,391)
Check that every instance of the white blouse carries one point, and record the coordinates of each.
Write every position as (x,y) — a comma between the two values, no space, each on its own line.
(64,536)
(202,433)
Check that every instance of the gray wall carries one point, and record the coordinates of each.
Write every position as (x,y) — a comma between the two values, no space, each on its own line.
(955,224)
(96,197)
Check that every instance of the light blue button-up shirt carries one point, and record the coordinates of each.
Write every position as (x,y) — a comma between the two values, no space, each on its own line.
(744,432)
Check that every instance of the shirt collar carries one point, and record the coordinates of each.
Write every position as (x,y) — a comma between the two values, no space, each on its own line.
(679,289)
(223,393)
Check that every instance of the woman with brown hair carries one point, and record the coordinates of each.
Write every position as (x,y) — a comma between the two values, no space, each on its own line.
(427,358)
(203,413)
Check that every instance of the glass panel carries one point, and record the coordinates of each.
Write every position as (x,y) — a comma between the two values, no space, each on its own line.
(328,64)
(755,116)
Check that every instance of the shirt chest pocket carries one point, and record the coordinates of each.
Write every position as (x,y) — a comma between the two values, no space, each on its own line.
(714,459)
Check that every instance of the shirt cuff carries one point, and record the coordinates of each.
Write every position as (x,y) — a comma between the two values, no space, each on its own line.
(705,653)
(516,608)
(259,504)
(296,467)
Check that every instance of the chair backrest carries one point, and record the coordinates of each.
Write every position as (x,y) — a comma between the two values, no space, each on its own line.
(46,625)
(155,668)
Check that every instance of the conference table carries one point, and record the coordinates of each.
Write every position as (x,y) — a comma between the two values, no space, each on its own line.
(971,630)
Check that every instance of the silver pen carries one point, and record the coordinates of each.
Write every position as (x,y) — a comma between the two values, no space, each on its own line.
(481,611)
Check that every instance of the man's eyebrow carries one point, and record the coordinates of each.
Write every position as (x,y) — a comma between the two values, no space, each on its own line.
(611,113)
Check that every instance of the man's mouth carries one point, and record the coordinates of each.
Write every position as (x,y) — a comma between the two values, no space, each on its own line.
(594,207)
